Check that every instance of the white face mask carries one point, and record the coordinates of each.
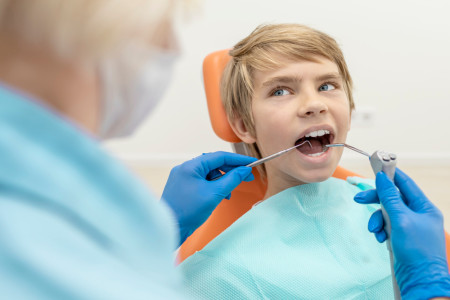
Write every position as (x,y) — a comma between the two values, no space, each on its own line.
(130,91)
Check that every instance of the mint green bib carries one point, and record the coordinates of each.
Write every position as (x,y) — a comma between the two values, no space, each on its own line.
(307,242)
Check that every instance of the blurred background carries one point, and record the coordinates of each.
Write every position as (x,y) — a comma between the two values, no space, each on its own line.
(398,53)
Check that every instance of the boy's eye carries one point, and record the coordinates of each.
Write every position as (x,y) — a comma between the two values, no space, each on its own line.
(280,92)
(326,87)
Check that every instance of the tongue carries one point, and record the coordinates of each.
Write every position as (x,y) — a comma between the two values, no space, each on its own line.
(315,147)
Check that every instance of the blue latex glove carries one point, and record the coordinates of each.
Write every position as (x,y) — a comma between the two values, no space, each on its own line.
(192,197)
(417,236)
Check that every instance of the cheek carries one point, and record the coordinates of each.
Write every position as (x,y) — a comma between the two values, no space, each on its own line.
(343,117)
(271,130)
(271,115)
(345,122)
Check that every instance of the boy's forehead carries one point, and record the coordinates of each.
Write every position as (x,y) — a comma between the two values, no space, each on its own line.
(274,60)
(296,69)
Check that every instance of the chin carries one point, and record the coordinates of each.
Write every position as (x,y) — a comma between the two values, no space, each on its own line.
(318,175)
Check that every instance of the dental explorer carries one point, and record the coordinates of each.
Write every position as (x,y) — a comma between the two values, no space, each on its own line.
(270,157)
(216,174)
(386,162)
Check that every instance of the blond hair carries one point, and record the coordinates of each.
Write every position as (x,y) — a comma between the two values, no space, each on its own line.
(89,28)
(261,51)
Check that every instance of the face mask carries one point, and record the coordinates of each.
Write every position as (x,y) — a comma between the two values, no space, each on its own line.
(130,91)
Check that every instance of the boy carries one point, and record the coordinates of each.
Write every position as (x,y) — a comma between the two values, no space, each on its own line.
(287,84)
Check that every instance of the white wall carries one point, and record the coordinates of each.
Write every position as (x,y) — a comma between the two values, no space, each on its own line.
(398,53)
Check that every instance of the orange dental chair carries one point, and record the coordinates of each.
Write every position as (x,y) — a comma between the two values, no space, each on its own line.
(247,193)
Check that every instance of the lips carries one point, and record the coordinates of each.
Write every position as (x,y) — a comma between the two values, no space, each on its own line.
(316,139)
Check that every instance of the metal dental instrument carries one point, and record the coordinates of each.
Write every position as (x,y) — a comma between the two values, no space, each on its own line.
(349,147)
(216,174)
(386,162)
(270,157)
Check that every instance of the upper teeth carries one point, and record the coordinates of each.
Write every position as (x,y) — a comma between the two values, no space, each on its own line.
(317,133)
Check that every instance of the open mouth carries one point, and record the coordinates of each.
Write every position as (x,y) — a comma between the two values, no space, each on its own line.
(316,142)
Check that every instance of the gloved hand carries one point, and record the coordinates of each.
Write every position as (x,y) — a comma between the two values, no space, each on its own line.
(417,236)
(192,197)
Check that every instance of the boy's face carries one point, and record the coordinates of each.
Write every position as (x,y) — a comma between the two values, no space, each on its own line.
(301,100)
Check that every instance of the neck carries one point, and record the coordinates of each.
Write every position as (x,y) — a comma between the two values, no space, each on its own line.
(277,183)
(68,86)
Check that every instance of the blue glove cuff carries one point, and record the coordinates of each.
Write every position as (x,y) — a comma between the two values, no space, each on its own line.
(438,289)
(424,281)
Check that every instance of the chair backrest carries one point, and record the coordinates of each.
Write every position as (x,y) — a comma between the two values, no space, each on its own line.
(213,66)
(247,193)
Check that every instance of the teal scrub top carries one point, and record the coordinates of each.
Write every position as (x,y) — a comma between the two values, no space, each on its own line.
(74,223)
(306,242)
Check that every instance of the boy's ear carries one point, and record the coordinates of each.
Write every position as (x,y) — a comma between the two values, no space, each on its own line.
(239,128)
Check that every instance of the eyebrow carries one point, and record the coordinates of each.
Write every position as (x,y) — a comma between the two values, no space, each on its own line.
(296,79)
(328,76)
(281,79)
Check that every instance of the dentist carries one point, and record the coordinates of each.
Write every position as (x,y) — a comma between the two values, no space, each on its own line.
(75,223)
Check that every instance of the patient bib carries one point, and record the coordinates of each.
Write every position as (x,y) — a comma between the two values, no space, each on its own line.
(307,242)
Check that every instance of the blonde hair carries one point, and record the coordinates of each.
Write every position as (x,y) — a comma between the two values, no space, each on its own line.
(259,51)
(88,28)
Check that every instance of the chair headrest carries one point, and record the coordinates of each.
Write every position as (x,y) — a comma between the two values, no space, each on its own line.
(213,66)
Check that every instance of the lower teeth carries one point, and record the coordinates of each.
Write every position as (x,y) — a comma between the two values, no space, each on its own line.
(316,154)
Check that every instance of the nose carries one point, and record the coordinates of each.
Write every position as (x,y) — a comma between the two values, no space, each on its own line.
(310,106)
